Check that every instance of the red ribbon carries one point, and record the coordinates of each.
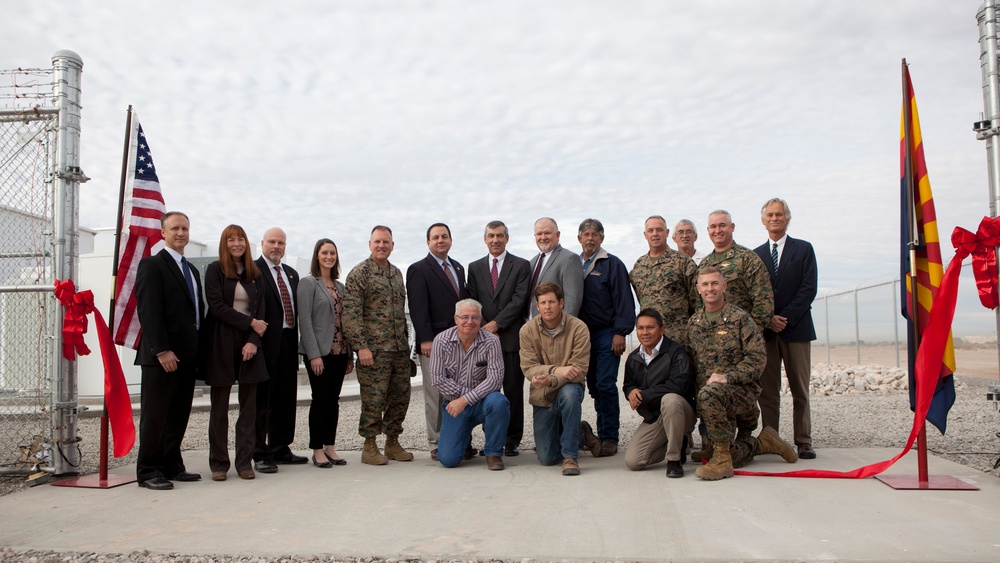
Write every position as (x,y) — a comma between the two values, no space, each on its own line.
(116,399)
(981,246)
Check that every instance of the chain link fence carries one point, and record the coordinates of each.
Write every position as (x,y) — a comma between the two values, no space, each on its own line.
(37,415)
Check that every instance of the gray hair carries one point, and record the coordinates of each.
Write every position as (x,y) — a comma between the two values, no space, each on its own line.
(659,217)
(729,217)
(594,224)
(496,225)
(685,222)
(554,224)
(788,212)
(469,303)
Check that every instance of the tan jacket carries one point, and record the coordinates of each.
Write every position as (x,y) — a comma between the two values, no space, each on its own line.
(541,354)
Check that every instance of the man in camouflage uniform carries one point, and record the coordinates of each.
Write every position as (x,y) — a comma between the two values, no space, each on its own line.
(375,326)
(728,354)
(747,281)
(664,280)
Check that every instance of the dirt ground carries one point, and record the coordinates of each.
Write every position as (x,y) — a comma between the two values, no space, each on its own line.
(979,361)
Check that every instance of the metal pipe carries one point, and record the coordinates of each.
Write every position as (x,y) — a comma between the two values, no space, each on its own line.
(67,67)
(826,304)
(895,321)
(27,288)
(989,127)
(857,328)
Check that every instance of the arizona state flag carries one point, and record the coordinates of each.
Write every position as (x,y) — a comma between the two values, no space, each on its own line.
(919,232)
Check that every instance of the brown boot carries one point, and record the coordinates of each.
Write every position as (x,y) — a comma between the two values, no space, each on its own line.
(371,455)
(720,466)
(589,441)
(705,453)
(394,451)
(771,443)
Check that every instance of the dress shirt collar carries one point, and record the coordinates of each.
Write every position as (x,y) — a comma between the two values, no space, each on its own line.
(649,357)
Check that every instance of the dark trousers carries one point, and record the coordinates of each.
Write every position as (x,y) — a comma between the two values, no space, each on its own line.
(324,412)
(165,399)
(276,399)
(798,363)
(513,389)
(218,427)
(602,382)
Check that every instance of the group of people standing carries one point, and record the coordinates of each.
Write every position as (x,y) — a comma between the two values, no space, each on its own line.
(713,336)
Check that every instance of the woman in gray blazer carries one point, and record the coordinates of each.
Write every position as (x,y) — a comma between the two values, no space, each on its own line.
(324,348)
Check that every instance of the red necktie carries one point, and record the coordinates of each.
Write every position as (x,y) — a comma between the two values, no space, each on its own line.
(494,274)
(286,299)
(451,278)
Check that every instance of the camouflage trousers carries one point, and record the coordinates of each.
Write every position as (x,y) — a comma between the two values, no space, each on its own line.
(727,408)
(385,393)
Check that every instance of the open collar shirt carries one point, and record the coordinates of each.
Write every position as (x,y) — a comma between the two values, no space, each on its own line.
(472,374)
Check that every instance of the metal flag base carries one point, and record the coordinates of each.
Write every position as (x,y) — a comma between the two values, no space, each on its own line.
(932,483)
(95,482)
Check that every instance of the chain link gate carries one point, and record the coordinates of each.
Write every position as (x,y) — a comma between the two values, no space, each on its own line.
(39,182)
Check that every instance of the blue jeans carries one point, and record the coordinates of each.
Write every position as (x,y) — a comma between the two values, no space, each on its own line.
(492,412)
(557,428)
(602,382)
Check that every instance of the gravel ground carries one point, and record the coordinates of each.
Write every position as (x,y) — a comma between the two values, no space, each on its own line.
(865,420)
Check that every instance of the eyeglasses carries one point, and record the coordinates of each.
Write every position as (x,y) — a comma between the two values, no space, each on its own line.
(468,318)
(680,232)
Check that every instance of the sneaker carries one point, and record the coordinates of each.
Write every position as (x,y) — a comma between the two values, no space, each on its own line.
(570,466)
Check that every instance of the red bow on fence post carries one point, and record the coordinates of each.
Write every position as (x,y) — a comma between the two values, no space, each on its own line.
(116,399)
(981,246)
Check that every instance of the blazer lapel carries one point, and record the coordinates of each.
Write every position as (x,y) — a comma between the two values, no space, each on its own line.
(176,271)
(439,272)
(503,275)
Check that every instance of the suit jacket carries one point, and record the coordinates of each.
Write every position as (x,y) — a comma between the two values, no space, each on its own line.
(227,330)
(166,311)
(318,317)
(506,305)
(794,288)
(274,313)
(564,268)
(432,297)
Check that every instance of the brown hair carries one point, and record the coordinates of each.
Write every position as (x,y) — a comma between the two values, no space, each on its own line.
(314,268)
(250,270)
(548,287)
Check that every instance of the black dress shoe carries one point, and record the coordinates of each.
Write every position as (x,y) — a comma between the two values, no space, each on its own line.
(511,450)
(324,464)
(291,459)
(338,461)
(185,476)
(806,452)
(675,469)
(157,484)
(265,467)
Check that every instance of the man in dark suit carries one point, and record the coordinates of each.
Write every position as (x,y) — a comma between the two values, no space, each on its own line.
(499,281)
(276,397)
(433,286)
(555,264)
(170,308)
(791,264)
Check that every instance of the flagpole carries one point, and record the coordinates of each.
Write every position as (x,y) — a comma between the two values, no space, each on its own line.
(913,211)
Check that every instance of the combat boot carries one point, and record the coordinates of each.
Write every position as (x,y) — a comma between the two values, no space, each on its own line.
(770,443)
(394,451)
(720,466)
(705,453)
(371,455)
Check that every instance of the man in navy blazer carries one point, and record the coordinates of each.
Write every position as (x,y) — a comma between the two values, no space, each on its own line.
(555,264)
(791,264)
(433,286)
(503,315)
(170,308)
(277,397)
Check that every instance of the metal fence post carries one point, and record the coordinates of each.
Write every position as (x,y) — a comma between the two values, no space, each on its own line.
(895,320)
(67,67)
(826,305)
(857,326)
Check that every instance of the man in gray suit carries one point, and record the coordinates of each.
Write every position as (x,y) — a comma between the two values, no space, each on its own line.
(555,264)
(499,281)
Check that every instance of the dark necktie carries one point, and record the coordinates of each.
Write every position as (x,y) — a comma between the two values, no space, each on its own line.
(494,274)
(774,257)
(534,277)
(286,299)
(188,278)
(450,276)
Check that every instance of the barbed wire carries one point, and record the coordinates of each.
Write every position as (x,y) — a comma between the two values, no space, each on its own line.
(24,86)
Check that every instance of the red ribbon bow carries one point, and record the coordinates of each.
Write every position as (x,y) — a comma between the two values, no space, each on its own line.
(116,400)
(981,247)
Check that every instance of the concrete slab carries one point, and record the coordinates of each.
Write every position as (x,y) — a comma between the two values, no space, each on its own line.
(421,510)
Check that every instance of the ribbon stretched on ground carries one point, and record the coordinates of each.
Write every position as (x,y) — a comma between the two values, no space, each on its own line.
(932,344)
(116,399)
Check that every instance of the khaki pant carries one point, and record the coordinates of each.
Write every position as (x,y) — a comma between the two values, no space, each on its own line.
(664,438)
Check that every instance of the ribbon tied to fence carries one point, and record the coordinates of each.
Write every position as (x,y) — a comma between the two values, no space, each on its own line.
(981,246)
(116,399)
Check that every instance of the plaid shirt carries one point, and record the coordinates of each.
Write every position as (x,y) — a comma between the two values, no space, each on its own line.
(476,375)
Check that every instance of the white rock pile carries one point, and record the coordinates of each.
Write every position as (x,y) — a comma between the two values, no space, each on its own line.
(842,379)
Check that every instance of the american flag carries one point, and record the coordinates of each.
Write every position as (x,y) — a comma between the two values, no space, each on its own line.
(140,231)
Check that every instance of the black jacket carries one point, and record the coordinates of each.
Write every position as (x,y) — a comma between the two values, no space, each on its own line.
(669,372)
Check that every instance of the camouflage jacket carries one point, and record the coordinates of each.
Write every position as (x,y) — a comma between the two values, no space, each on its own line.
(748,285)
(730,345)
(667,283)
(374,308)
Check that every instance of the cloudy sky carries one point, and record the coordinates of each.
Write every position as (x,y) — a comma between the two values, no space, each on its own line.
(327,118)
